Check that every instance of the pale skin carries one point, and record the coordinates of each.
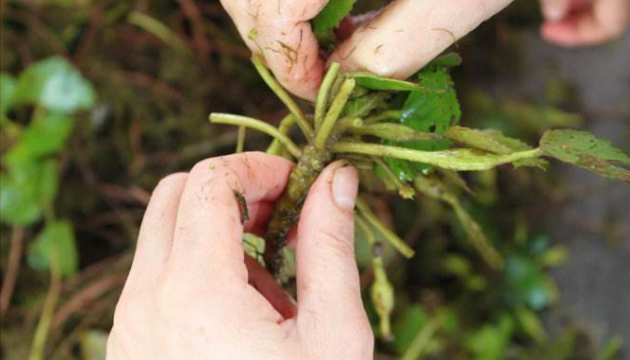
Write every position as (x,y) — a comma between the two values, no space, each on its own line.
(405,36)
(193,294)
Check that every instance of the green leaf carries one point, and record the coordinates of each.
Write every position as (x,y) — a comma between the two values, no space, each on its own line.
(375,82)
(492,141)
(26,190)
(586,151)
(55,243)
(409,324)
(435,108)
(46,135)
(491,341)
(56,85)
(530,324)
(526,284)
(7,89)
(329,18)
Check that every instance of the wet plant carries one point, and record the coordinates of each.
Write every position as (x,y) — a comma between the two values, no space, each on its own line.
(407,134)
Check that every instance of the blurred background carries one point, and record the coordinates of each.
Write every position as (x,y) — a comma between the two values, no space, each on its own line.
(102,98)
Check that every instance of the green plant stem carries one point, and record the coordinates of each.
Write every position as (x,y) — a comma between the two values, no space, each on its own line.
(383,116)
(324,94)
(229,119)
(50,303)
(394,132)
(405,191)
(282,94)
(321,139)
(343,125)
(285,127)
(240,140)
(456,159)
(157,29)
(420,342)
(393,239)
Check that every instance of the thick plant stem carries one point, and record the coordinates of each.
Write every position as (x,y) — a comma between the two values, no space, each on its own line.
(321,139)
(456,159)
(287,209)
(324,94)
(284,96)
(229,119)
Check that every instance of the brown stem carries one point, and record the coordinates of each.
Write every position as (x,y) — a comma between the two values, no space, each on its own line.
(12,270)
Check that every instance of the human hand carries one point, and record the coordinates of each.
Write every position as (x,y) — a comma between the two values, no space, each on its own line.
(584,22)
(404,37)
(193,294)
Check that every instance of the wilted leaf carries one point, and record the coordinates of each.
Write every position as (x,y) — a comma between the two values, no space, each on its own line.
(329,18)
(492,141)
(56,85)
(375,82)
(55,243)
(46,135)
(587,151)
(394,132)
(26,191)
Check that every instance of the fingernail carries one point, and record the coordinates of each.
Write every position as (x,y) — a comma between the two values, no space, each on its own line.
(345,186)
(553,12)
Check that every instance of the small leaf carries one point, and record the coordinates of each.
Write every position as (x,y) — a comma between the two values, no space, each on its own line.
(363,105)
(56,240)
(526,284)
(375,82)
(587,151)
(329,18)
(27,189)
(446,61)
(56,85)
(7,89)
(46,135)
(433,109)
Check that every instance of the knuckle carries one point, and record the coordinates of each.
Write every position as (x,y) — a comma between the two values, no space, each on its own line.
(171,180)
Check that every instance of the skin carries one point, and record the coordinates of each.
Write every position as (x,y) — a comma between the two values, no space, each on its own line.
(193,294)
(404,37)
(574,23)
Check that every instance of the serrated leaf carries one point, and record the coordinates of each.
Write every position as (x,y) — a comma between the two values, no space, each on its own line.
(55,85)
(55,243)
(46,135)
(26,190)
(433,109)
(375,82)
(7,89)
(329,18)
(586,151)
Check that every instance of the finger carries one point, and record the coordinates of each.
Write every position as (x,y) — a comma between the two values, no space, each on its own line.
(282,34)
(207,244)
(259,214)
(328,290)
(604,21)
(268,287)
(555,10)
(156,232)
(410,33)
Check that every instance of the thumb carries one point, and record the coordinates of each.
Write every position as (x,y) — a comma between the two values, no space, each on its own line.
(329,296)
(555,10)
